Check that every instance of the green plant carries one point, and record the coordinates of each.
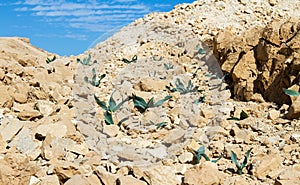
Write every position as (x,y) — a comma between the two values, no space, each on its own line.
(110,108)
(182,89)
(154,74)
(95,80)
(201,153)
(142,105)
(159,125)
(200,50)
(168,66)
(200,100)
(243,115)
(133,59)
(85,61)
(50,60)
(291,92)
(237,164)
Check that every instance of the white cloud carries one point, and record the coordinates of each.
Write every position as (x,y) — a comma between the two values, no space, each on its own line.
(91,15)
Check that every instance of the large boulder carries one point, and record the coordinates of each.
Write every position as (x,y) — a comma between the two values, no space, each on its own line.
(263,60)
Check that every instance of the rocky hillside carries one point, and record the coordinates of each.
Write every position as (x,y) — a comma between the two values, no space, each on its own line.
(174,98)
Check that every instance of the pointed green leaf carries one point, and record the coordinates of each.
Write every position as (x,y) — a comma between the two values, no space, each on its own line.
(159,125)
(234,159)
(160,102)
(233,118)
(150,103)
(108,118)
(139,102)
(291,92)
(246,158)
(94,71)
(216,160)
(243,115)
(102,104)
(111,103)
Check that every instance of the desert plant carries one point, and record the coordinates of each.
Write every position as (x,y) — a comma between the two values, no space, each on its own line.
(201,153)
(142,105)
(133,59)
(182,89)
(168,66)
(200,100)
(291,92)
(85,61)
(110,108)
(48,60)
(159,125)
(243,115)
(237,164)
(95,80)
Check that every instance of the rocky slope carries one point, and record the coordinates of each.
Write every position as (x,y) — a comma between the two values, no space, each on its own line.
(53,131)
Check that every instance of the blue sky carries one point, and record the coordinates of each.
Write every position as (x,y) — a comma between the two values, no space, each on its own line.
(69,27)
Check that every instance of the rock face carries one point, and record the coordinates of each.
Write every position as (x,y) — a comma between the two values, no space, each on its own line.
(263,60)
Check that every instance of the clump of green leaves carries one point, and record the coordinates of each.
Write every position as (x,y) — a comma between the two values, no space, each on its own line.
(291,92)
(85,61)
(110,108)
(182,89)
(201,153)
(243,115)
(133,59)
(237,164)
(142,105)
(168,66)
(95,79)
(48,60)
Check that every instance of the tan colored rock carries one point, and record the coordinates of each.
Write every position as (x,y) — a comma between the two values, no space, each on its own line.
(105,177)
(206,173)
(3,145)
(93,180)
(50,179)
(45,107)
(56,130)
(267,165)
(5,99)
(28,115)
(26,143)
(77,179)
(274,114)
(186,157)
(294,110)
(11,129)
(111,130)
(128,179)
(158,174)
(20,97)
(151,84)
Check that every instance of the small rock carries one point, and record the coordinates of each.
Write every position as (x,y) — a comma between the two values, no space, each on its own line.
(11,129)
(45,107)
(34,180)
(294,110)
(125,180)
(56,130)
(186,157)
(50,179)
(20,97)
(77,179)
(111,130)
(106,178)
(274,114)
(193,145)
(206,173)
(267,164)
(28,115)
(26,144)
